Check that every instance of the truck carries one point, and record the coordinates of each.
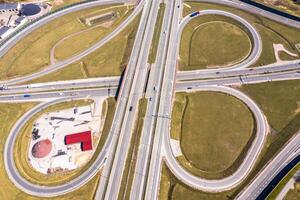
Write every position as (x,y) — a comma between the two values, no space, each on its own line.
(194,14)
(27,95)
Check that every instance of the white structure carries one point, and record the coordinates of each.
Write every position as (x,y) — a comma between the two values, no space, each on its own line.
(5,31)
(10,8)
(48,152)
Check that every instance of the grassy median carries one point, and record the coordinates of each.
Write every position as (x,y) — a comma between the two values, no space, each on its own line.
(22,144)
(32,53)
(128,173)
(9,114)
(214,130)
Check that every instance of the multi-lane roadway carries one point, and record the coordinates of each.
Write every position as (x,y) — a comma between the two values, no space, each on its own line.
(159,88)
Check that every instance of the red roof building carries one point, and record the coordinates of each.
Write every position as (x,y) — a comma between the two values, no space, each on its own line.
(85,138)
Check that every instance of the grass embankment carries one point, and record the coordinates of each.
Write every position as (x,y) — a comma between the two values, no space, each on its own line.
(280,104)
(215,131)
(283,182)
(271,32)
(109,60)
(288,6)
(128,173)
(9,114)
(157,31)
(293,194)
(32,53)
(22,145)
(213,42)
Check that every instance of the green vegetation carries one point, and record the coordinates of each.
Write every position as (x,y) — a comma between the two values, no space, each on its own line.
(279,101)
(293,194)
(216,148)
(20,60)
(271,32)
(128,173)
(214,42)
(172,188)
(79,41)
(283,182)
(156,36)
(284,122)
(22,145)
(9,114)
(101,62)
(289,6)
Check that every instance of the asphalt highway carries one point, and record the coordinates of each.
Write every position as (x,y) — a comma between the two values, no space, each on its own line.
(163,82)
(153,95)
(290,151)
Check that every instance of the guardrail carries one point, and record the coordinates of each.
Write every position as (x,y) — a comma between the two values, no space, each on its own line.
(19,29)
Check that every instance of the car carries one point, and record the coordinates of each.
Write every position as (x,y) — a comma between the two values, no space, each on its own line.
(130,108)
(189,88)
(27,95)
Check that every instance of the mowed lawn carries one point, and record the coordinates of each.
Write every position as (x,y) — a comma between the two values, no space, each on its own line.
(221,40)
(271,32)
(109,60)
(280,101)
(215,128)
(213,42)
(9,114)
(32,53)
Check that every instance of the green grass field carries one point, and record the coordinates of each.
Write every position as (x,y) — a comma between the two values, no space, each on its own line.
(288,6)
(214,130)
(22,143)
(79,42)
(213,44)
(101,62)
(9,114)
(293,194)
(270,31)
(172,189)
(156,36)
(32,53)
(280,103)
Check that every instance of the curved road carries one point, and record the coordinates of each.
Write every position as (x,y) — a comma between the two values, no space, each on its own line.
(256,40)
(46,191)
(64,63)
(248,162)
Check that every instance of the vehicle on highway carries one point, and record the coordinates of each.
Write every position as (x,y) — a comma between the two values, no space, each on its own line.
(194,14)
(130,108)
(26,95)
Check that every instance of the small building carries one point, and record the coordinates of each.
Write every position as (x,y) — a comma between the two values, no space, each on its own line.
(20,20)
(85,138)
(10,8)
(5,31)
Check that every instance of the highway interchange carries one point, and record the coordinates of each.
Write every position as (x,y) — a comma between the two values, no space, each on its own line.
(163,81)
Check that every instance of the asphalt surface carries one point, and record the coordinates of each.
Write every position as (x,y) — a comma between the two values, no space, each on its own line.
(153,95)
(290,151)
(161,85)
